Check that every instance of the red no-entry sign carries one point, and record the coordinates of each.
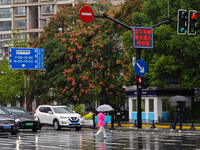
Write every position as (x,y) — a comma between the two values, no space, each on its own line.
(86,14)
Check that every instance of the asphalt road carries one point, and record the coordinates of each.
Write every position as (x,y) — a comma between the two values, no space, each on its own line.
(69,139)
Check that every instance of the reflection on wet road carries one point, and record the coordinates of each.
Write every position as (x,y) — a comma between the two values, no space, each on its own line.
(85,140)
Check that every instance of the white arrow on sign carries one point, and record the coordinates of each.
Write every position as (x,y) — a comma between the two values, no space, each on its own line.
(23,65)
(141,68)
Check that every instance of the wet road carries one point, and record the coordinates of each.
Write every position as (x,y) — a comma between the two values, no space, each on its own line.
(66,139)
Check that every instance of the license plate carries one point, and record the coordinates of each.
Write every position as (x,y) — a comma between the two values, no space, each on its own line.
(7,127)
(74,123)
(29,124)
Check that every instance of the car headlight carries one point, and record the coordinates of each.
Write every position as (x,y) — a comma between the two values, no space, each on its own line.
(36,118)
(63,117)
(17,120)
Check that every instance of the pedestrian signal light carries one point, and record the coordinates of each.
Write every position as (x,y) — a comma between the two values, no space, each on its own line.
(181,21)
(192,22)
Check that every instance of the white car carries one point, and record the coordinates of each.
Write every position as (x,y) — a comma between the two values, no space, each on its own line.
(59,116)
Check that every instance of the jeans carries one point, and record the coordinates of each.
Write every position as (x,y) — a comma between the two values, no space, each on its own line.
(180,122)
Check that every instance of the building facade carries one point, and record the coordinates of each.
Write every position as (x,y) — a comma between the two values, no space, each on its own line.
(154,103)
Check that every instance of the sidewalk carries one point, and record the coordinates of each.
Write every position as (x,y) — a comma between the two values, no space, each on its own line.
(152,128)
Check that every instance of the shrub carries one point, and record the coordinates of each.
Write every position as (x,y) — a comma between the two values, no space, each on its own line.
(79,109)
(88,116)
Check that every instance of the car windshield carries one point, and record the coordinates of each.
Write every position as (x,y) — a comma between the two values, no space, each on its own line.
(17,111)
(62,110)
(3,112)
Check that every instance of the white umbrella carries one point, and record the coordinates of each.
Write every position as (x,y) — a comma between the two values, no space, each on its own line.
(104,108)
(178,98)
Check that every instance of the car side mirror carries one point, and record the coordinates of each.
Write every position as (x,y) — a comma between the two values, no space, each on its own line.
(50,112)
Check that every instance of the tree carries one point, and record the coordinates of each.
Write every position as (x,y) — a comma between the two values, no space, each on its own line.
(174,58)
(12,81)
(81,64)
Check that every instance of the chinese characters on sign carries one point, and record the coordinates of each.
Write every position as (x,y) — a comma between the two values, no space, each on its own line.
(142,37)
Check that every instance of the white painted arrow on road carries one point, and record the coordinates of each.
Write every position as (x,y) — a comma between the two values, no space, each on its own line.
(141,68)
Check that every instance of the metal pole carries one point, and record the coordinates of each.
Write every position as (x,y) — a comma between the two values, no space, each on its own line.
(25,105)
(139,90)
(139,93)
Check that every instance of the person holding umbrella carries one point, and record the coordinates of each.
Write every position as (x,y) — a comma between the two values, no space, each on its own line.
(101,117)
(179,116)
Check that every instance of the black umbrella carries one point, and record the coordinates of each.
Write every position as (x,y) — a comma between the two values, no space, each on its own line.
(178,98)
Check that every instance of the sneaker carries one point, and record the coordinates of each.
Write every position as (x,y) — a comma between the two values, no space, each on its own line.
(179,131)
(172,130)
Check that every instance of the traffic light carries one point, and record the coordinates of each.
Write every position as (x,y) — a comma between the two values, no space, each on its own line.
(192,22)
(142,82)
(139,82)
(181,21)
(145,84)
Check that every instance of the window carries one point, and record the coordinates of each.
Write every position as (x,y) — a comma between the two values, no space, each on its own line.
(5,2)
(20,1)
(5,26)
(2,112)
(5,13)
(46,9)
(143,104)
(62,110)
(45,22)
(165,105)
(20,11)
(21,24)
(151,105)
(44,109)
(134,105)
(5,36)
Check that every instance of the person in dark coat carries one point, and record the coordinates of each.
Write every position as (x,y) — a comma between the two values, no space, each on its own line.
(179,116)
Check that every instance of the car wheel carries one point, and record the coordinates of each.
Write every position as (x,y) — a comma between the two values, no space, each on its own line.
(13,133)
(56,125)
(40,127)
(78,128)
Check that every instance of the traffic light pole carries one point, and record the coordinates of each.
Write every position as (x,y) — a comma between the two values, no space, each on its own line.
(139,93)
(138,56)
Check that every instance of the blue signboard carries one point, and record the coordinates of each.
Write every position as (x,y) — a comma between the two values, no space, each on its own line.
(26,58)
(140,67)
(41,58)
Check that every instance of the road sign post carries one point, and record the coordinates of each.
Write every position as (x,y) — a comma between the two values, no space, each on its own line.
(26,59)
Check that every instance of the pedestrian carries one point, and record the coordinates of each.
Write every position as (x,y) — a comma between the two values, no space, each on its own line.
(179,116)
(101,117)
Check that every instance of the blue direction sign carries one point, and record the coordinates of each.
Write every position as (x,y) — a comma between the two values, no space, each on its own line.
(41,58)
(26,58)
(140,67)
